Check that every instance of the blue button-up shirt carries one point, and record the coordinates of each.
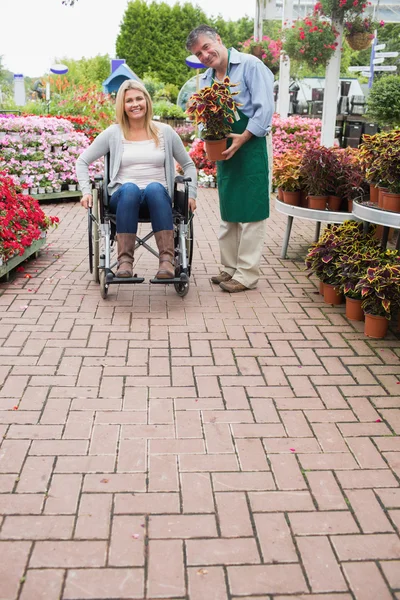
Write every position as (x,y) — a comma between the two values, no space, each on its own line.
(255,86)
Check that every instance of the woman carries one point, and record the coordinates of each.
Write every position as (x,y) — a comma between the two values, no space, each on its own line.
(142,173)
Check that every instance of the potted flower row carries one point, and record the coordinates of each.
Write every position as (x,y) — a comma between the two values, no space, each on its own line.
(379,156)
(325,176)
(351,264)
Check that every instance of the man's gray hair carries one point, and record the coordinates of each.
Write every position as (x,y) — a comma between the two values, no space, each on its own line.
(194,35)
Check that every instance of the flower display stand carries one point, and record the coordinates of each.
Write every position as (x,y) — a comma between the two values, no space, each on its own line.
(58,195)
(7,266)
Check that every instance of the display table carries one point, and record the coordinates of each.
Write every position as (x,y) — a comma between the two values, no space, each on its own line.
(372,214)
(65,195)
(309,214)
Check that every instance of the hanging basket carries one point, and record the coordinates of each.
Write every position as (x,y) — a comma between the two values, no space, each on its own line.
(359,41)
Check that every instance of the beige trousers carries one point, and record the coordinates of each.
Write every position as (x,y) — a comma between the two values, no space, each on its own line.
(241,246)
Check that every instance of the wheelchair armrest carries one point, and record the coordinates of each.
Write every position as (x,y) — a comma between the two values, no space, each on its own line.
(181,196)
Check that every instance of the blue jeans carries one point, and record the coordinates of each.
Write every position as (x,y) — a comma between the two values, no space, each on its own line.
(154,202)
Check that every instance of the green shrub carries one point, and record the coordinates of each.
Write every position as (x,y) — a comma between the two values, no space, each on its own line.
(383,104)
(167,110)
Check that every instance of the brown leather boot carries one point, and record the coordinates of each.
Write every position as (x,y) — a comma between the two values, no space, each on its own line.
(126,247)
(165,245)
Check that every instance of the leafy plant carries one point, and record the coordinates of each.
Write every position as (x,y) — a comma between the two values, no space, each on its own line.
(361,24)
(339,9)
(213,108)
(351,182)
(311,40)
(319,171)
(167,110)
(380,159)
(380,290)
(266,49)
(383,103)
(286,171)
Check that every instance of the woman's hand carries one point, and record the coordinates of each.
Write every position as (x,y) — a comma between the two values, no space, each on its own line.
(192,204)
(87,200)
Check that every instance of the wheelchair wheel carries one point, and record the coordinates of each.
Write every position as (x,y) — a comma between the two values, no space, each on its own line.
(96,238)
(103,284)
(183,288)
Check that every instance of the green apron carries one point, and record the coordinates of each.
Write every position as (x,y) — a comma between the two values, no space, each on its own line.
(243,180)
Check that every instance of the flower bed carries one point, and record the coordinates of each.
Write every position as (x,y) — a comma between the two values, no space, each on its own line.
(42,151)
(294,133)
(22,221)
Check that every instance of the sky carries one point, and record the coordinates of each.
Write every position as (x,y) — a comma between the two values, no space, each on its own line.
(38,33)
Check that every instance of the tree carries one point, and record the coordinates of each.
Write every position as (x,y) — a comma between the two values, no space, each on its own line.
(88,71)
(152,37)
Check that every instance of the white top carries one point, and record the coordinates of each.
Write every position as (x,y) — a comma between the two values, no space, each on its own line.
(142,163)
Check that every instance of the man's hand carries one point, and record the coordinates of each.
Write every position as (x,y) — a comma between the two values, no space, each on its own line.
(87,200)
(237,142)
(192,204)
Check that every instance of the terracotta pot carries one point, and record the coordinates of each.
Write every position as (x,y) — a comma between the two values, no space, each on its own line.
(375,327)
(354,312)
(321,287)
(334,203)
(214,149)
(317,202)
(373,193)
(303,199)
(349,205)
(292,198)
(381,190)
(331,294)
(391,202)
(280,194)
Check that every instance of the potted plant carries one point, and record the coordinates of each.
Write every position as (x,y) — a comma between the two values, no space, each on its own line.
(286,176)
(311,40)
(213,109)
(387,163)
(383,103)
(323,259)
(352,184)
(340,9)
(359,31)
(380,292)
(266,49)
(318,170)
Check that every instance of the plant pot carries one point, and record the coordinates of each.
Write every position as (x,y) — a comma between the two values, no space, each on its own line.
(331,294)
(212,184)
(321,287)
(214,149)
(57,189)
(391,201)
(49,189)
(350,206)
(25,191)
(359,41)
(72,187)
(33,190)
(280,194)
(354,312)
(292,198)
(257,51)
(303,199)
(381,191)
(334,203)
(375,327)
(317,202)
(373,193)
(41,190)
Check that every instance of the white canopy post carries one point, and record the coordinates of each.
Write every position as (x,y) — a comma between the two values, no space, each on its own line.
(332,76)
(258,21)
(284,68)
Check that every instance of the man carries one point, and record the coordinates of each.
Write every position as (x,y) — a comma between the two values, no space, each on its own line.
(243,179)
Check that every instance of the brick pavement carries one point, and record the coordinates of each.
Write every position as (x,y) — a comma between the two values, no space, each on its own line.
(204,448)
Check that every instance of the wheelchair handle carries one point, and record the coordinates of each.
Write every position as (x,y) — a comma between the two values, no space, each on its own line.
(98,178)
(187,179)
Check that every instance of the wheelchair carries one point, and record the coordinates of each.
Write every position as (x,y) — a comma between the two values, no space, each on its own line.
(102,237)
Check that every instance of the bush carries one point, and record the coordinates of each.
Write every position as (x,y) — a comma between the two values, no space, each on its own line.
(167,110)
(383,104)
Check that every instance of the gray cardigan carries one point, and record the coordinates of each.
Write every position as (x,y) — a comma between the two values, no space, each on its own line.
(110,140)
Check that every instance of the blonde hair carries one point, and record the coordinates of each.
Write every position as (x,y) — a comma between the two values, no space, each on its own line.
(122,118)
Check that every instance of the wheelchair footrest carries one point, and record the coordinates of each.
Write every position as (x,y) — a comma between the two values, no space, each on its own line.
(183,278)
(111,278)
